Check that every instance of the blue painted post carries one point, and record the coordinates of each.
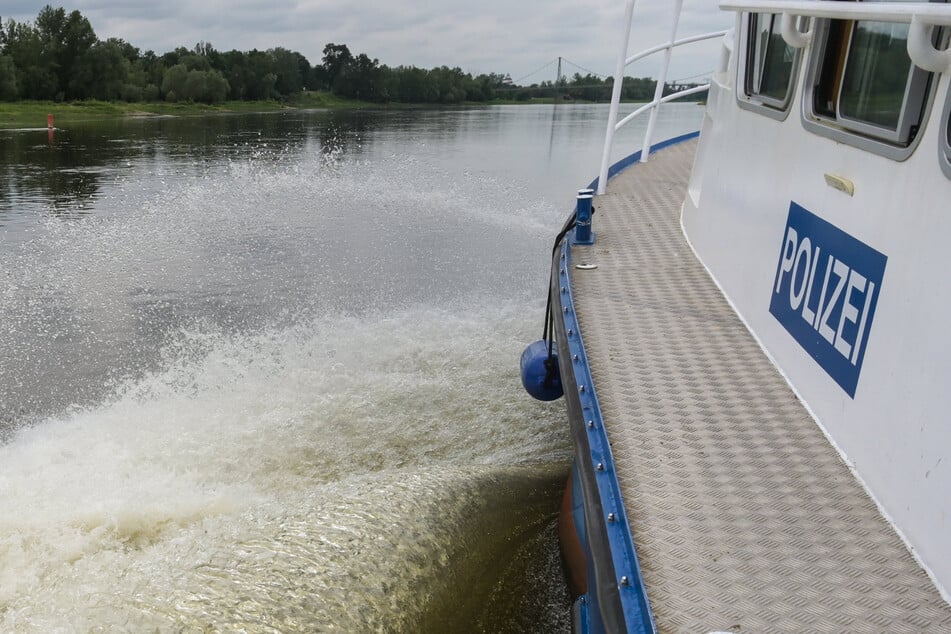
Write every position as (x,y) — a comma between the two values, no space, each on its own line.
(583,233)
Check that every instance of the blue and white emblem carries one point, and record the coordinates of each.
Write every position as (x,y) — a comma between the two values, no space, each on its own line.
(825,290)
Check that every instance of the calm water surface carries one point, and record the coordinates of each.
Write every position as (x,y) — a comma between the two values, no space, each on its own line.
(260,372)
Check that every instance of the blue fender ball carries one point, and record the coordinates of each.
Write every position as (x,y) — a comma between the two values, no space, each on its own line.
(540,378)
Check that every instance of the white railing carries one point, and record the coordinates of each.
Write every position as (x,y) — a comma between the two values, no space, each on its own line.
(622,62)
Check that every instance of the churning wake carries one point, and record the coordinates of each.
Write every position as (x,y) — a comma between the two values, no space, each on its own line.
(278,393)
(355,476)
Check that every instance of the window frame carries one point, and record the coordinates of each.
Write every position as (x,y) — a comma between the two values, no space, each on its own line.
(944,140)
(764,104)
(916,87)
(897,144)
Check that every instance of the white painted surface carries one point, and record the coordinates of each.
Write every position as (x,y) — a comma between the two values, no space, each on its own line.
(896,432)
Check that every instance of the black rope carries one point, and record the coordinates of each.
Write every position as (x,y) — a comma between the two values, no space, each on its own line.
(548,331)
(568,226)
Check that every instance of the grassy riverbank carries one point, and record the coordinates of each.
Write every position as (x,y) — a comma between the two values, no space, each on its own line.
(19,114)
(32,114)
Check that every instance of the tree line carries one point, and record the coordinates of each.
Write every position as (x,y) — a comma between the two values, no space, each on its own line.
(590,87)
(58,57)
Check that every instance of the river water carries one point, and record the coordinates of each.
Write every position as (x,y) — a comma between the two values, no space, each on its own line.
(259,372)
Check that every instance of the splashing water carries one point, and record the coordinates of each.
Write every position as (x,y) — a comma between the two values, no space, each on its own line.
(276,392)
(344,476)
(267,236)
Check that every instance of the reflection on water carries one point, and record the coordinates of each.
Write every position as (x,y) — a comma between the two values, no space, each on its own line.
(260,371)
(64,171)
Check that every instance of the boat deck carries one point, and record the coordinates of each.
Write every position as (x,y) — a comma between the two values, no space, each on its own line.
(744,517)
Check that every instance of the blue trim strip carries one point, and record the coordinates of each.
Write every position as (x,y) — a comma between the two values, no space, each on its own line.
(634,603)
(633,593)
(580,616)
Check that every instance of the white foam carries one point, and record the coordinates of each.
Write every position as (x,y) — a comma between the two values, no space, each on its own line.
(304,424)
(240,436)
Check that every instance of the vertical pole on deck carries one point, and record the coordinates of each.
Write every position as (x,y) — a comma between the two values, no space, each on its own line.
(661,81)
(583,212)
(615,97)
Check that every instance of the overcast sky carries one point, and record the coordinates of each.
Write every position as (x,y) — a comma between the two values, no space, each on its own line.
(480,36)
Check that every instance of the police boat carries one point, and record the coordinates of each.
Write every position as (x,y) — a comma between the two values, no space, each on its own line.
(750,336)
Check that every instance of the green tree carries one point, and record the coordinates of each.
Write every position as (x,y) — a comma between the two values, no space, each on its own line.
(262,78)
(362,78)
(588,87)
(308,73)
(147,73)
(205,86)
(287,71)
(33,63)
(208,57)
(173,83)
(103,73)
(336,58)
(8,79)
(636,88)
(483,88)
(449,83)
(192,60)
(66,40)
(412,85)
(235,70)
(58,56)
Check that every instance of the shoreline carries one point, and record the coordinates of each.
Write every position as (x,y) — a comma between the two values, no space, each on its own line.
(17,114)
(22,114)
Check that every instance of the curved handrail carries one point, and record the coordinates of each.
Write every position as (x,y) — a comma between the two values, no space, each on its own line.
(687,40)
(653,104)
(622,62)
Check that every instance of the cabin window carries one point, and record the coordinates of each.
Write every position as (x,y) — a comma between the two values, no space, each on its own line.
(864,83)
(770,64)
(771,60)
(879,76)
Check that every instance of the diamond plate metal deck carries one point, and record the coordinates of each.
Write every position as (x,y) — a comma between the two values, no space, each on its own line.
(744,517)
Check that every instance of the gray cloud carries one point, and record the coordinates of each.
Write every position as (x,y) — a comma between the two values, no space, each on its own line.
(489,36)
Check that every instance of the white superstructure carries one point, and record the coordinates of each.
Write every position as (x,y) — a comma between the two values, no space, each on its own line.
(820,201)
